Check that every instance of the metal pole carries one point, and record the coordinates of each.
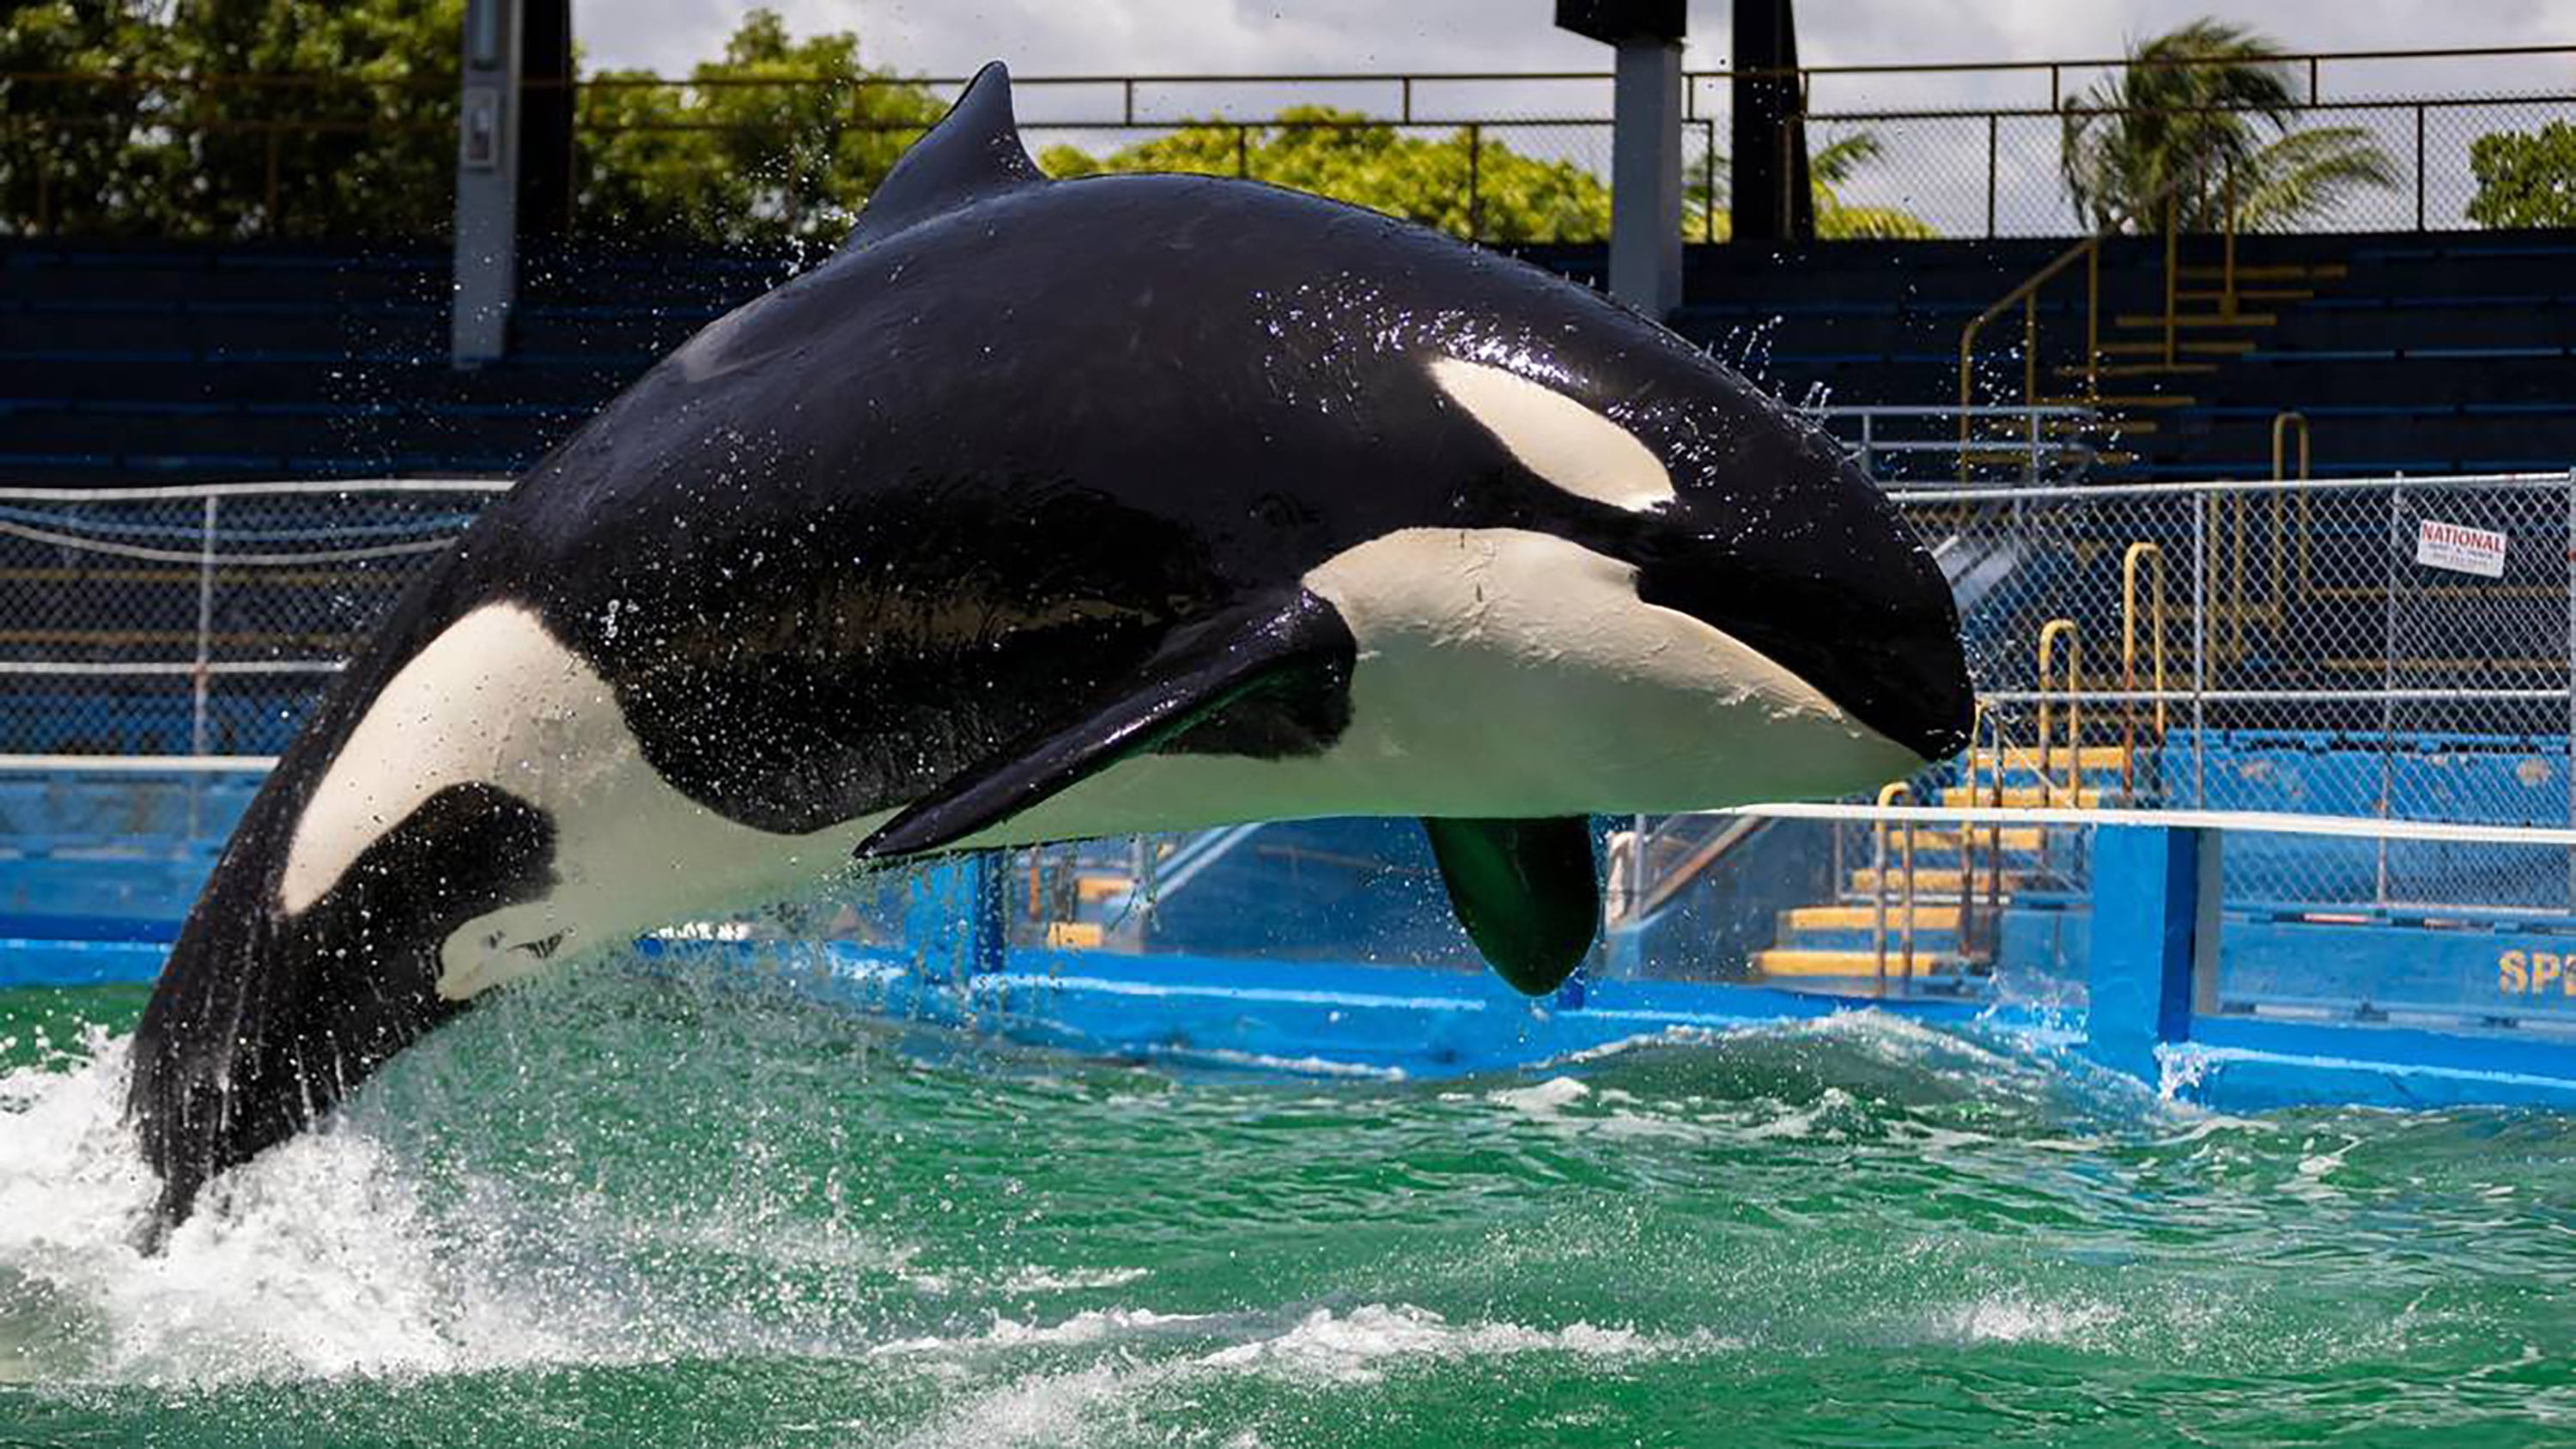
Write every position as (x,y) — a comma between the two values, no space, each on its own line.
(1646,176)
(2199,651)
(200,677)
(205,627)
(1475,197)
(2388,676)
(485,281)
(1708,193)
(1993,122)
(2419,166)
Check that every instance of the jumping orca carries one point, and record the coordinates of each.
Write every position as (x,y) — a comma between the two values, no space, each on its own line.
(1047,510)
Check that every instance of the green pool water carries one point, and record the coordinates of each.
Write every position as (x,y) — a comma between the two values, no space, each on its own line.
(617,1209)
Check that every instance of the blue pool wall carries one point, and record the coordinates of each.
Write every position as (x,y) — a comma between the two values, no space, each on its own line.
(2149,972)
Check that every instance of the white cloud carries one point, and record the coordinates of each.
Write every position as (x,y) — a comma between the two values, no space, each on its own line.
(1043,37)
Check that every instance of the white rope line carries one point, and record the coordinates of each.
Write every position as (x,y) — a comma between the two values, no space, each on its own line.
(2113,492)
(2273,696)
(2259,822)
(176,491)
(201,558)
(184,667)
(138,764)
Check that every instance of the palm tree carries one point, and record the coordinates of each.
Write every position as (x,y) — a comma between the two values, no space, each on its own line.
(2181,130)
(1704,185)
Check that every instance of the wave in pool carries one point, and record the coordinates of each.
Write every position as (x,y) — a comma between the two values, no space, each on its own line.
(618,1207)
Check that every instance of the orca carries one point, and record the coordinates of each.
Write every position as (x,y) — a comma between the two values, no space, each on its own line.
(1047,510)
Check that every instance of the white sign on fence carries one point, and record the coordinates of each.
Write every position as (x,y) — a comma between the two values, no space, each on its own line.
(2460,549)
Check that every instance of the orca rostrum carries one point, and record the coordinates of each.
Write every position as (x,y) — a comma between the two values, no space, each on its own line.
(1046,510)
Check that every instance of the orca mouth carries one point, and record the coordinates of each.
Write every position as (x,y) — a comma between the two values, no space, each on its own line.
(1880,644)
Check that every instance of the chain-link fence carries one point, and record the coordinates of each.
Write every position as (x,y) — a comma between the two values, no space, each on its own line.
(741,156)
(2411,164)
(198,620)
(2398,648)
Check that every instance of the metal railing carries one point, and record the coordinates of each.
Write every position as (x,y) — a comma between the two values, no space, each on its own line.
(2137,554)
(280,153)
(2089,366)
(2039,443)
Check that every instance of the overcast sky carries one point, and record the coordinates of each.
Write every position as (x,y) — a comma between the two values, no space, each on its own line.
(1933,168)
(1040,37)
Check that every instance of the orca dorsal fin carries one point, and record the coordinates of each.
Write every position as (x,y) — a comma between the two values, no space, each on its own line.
(973,153)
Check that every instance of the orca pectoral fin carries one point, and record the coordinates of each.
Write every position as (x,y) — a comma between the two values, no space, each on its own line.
(1299,646)
(1524,889)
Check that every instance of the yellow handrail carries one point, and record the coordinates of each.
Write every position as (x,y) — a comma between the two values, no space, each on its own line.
(2140,553)
(1889,794)
(2281,424)
(2027,294)
(1987,723)
(2089,250)
(2049,634)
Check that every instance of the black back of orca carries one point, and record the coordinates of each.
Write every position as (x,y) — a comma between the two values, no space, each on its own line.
(935,504)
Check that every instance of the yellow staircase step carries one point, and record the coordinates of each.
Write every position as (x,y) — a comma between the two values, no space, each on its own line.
(1932,844)
(1074,935)
(1094,888)
(2278,272)
(1793,961)
(2026,757)
(2156,320)
(2022,797)
(2139,369)
(2183,346)
(2126,400)
(1929,880)
(2244,294)
(1865,918)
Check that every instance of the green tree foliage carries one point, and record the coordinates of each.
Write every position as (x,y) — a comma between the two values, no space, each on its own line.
(2525,178)
(752,149)
(1705,187)
(218,118)
(349,127)
(2202,116)
(1347,156)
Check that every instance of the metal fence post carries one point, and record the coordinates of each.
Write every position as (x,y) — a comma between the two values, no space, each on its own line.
(1993,125)
(1475,196)
(2388,676)
(2199,650)
(2419,166)
(205,628)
